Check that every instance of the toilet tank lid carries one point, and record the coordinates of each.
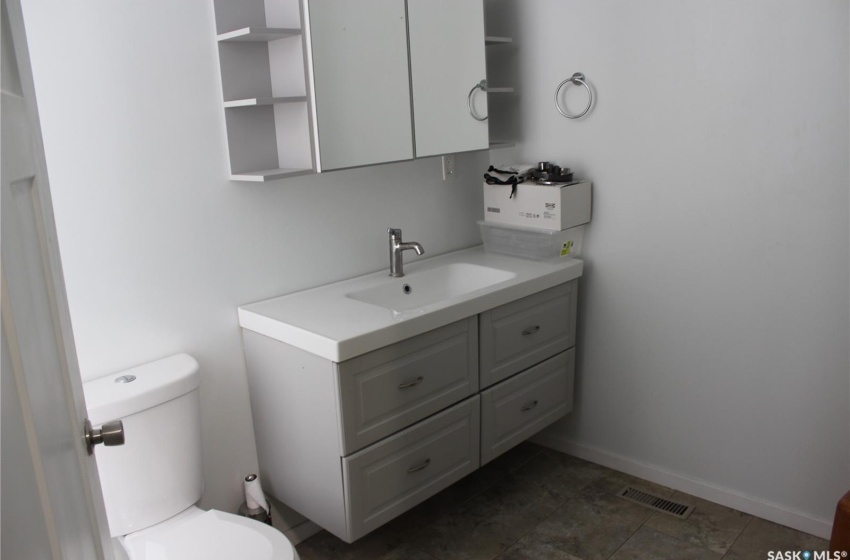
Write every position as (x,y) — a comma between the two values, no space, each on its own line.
(121,394)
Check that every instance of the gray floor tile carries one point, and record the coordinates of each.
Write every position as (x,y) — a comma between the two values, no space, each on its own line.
(595,522)
(406,552)
(610,482)
(710,525)
(591,525)
(534,503)
(648,544)
(761,537)
(466,537)
(324,546)
(409,524)
(561,474)
(515,502)
(516,457)
(530,549)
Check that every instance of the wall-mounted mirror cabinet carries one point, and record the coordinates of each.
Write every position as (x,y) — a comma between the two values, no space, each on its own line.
(318,85)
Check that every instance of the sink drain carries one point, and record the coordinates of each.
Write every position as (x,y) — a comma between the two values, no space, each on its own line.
(406,289)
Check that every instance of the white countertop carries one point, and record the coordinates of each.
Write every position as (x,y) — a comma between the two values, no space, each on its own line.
(325,322)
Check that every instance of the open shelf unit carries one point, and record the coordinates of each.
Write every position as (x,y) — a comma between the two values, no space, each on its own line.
(498,108)
(258,34)
(269,175)
(254,101)
(265,90)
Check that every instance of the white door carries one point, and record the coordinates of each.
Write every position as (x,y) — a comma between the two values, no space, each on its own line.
(446,62)
(52,507)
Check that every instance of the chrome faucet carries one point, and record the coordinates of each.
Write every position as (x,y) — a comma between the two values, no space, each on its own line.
(396,249)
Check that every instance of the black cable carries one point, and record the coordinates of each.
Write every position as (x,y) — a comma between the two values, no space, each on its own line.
(513,180)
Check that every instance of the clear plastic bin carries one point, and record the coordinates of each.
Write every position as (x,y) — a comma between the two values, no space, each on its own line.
(531,243)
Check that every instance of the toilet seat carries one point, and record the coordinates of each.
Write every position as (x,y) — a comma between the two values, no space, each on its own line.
(196,534)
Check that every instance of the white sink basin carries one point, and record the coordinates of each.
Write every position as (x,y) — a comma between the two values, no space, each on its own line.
(420,289)
(349,318)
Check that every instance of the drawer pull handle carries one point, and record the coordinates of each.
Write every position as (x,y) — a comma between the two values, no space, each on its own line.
(531,330)
(529,406)
(416,381)
(418,468)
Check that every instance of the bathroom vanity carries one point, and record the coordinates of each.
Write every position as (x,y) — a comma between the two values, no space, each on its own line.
(373,394)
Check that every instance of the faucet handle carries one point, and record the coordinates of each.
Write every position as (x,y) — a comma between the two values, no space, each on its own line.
(394,232)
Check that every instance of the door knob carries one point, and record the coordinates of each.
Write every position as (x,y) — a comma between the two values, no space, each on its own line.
(110,433)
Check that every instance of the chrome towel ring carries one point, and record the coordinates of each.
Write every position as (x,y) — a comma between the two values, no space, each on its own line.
(482,85)
(577,79)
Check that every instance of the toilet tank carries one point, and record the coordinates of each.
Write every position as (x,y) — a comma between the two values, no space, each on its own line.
(157,473)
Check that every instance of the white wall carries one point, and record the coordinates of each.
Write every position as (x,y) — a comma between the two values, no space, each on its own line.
(713,346)
(158,247)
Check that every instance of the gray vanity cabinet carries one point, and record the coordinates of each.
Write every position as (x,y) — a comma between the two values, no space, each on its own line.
(518,408)
(352,445)
(386,390)
(527,331)
(387,479)
(538,329)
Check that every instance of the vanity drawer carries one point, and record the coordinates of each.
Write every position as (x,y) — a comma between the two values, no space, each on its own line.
(390,477)
(525,332)
(391,388)
(516,409)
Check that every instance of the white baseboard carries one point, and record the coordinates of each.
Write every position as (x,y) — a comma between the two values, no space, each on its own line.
(700,489)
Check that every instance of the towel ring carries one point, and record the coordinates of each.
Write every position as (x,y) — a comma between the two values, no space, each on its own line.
(482,85)
(577,79)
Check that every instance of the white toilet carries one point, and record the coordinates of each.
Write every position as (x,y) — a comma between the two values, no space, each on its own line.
(152,482)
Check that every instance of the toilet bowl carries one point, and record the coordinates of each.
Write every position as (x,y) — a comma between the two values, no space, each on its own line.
(195,533)
(152,482)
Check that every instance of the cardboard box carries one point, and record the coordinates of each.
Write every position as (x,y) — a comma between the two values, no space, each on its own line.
(555,207)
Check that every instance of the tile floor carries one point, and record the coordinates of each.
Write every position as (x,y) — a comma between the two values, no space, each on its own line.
(535,503)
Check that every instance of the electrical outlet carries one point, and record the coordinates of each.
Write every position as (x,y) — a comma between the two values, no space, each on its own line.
(448,166)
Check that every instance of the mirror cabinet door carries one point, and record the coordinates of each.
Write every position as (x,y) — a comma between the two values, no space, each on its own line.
(447,60)
(361,80)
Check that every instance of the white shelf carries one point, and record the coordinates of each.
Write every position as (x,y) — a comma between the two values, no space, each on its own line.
(491,40)
(269,174)
(258,34)
(266,111)
(257,101)
(496,59)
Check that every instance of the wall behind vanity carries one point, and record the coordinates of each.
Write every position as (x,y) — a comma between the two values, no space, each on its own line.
(713,329)
(158,247)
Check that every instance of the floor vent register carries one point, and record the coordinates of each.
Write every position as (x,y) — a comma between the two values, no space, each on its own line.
(656,503)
